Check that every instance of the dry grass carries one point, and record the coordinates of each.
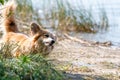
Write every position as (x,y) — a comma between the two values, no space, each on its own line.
(84,69)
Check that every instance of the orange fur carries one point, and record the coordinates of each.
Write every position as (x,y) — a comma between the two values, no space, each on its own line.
(12,34)
(9,21)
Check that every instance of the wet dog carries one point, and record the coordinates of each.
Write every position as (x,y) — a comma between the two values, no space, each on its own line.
(40,40)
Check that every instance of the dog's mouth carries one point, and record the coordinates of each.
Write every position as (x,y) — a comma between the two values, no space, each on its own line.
(49,43)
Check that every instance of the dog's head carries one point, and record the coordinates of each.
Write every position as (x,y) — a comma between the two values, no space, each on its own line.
(42,39)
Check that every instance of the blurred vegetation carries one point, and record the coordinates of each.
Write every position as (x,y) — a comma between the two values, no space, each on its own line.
(2,1)
(71,19)
(24,12)
(61,15)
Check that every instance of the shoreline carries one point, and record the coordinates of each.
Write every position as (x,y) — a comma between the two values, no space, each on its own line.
(93,61)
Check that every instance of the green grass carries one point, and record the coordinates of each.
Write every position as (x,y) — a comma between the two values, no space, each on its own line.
(29,67)
(32,67)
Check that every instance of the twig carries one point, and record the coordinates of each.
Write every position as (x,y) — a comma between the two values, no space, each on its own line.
(90,43)
(77,40)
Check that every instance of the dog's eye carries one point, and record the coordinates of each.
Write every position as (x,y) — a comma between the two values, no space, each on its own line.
(46,35)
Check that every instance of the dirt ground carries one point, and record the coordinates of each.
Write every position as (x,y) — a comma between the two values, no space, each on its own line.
(81,61)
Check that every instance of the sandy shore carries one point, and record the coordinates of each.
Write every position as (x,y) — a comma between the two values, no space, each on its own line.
(85,62)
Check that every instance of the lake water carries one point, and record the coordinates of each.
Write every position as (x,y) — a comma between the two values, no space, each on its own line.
(112,7)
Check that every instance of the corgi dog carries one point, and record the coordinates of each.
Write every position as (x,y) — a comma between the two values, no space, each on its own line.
(40,40)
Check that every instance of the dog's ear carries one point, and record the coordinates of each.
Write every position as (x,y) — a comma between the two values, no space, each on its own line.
(35,37)
(35,28)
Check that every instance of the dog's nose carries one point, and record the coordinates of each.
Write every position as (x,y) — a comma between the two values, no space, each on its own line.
(52,42)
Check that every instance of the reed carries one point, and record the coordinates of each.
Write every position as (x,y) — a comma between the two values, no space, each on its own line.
(63,16)
(24,10)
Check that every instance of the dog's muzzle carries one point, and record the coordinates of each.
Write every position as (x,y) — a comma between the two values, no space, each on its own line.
(48,41)
(52,42)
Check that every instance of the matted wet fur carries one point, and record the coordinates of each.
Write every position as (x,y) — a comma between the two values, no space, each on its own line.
(40,40)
